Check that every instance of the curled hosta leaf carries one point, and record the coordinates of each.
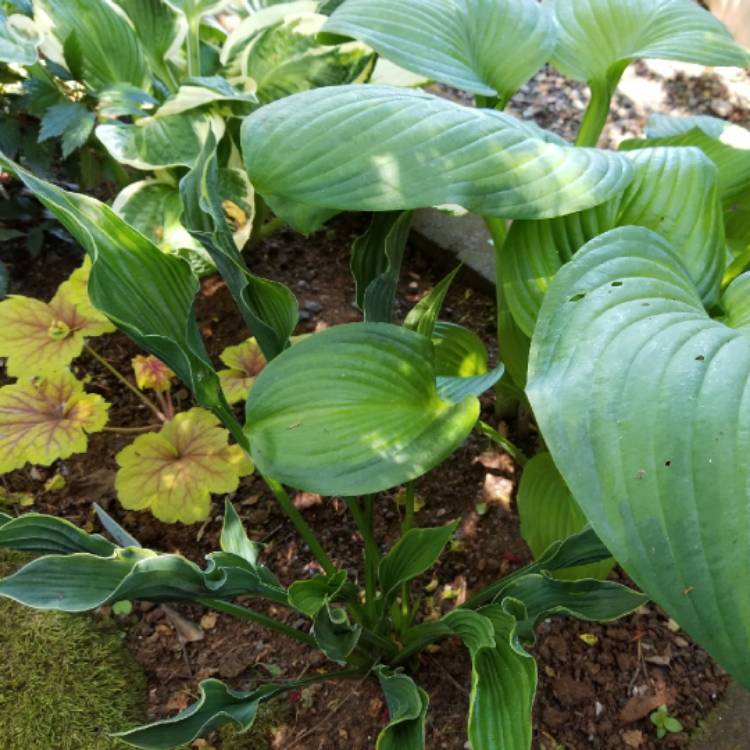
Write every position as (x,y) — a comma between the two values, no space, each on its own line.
(596,37)
(244,362)
(352,410)
(407,708)
(39,337)
(173,472)
(674,192)
(640,396)
(48,418)
(151,373)
(198,92)
(489,47)
(378,148)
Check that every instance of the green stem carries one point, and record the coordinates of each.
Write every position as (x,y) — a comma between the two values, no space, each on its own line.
(364,522)
(194,45)
(301,525)
(514,451)
(131,430)
(597,111)
(418,638)
(406,525)
(271,227)
(142,396)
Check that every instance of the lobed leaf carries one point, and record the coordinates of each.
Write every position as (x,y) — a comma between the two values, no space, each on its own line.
(244,363)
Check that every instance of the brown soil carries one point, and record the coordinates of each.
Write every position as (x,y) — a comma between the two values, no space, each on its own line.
(594,692)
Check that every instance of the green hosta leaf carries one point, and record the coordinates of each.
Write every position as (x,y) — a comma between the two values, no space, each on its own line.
(286,58)
(376,264)
(353,410)
(334,633)
(148,294)
(34,532)
(423,316)
(312,595)
(268,307)
(194,9)
(549,512)
(234,538)
(407,708)
(639,395)
(488,47)
(414,553)
(727,145)
(72,121)
(599,36)
(19,39)
(105,39)
(674,193)
(160,142)
(198,92)
(378,148)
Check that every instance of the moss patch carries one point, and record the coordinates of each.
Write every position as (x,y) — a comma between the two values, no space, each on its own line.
(66,681)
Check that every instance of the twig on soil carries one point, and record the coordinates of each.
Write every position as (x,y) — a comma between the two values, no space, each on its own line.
(450,677)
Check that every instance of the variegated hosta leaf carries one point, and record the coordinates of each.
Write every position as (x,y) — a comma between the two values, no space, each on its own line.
(378,148)
(674,193)
(173,472)
(286,58)
(160,142)
(198,92)
(244,363)
(641,398)
(352,410)
(727,145)
(19,39)
(488,47)
(151,373)
(38,337)
(597,38)
(549,512)
(44,419)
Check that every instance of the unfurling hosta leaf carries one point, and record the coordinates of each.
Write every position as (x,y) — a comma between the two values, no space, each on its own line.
(148,294)
(19,39)
(674,193)
(549,512)
(244,363)
(151,373)
(174,471)
(488,47)
(105,40)
(353,410)
(379,148)
(640,397)
(44,419)
(407,708)
(596,37)
(422,318)
(160,142)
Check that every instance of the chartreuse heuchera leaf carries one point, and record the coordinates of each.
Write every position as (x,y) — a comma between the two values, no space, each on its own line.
(640,397)
(598,37)
(174,471)
(38,337)
(44,419)
(379,148)
(674,192)
(151,373)
(407,707)
(549,512)
(487,47)
(353,410)
(243,364)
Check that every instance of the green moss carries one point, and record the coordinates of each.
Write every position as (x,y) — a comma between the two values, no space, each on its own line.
(66,681)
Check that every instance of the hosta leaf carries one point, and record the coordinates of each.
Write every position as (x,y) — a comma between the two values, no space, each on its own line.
(70,120)
(198,92)
(148,294)
(334,633)
(19,39)
(174,471)
(597,36)
(727,145)
(353,410)
(97,29)
(674,193)
(234,538)
(407,708)
(422,318)
(46,419)
(197,8)
(488,47)
(244,363)
(33,532)
(160,142)
(639,395)
(378,148)
(312,595)
(549,512)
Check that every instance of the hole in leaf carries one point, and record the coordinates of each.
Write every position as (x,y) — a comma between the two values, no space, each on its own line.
(668,463)
(616,283)
(700,358)
(577,297)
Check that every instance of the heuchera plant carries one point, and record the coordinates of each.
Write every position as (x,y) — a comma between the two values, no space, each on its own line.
(621,317)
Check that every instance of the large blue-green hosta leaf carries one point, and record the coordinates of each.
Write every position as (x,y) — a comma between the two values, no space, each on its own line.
(488,47)
(379,148)
(19,39)
(599,37)
(674,193)
(353,410)
(643,401)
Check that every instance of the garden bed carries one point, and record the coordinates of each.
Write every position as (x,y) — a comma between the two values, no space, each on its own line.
(598,683)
